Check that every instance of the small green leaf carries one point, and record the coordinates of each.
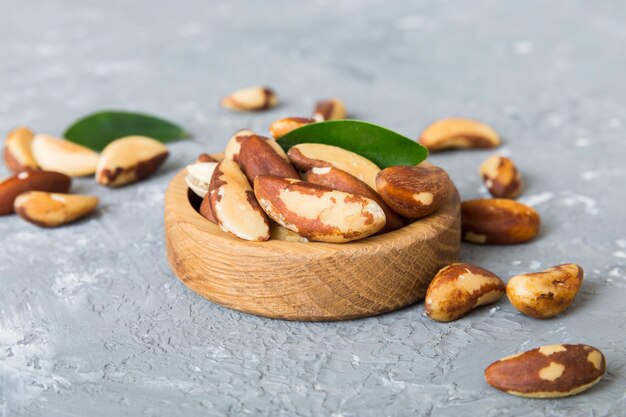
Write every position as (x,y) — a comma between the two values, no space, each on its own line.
(98,129)
(382,146)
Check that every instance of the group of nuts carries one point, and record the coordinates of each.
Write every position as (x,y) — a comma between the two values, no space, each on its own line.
(411,192)
(43,165)
(314,192)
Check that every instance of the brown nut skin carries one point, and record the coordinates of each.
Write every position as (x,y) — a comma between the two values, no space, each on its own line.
(283,126)
(551,371)
(337,179)
(459,133)
(545,294)
(250,99)
(234,205)
(258,157)
(316,212)
(17,150)
(53,209)
(205,209)
(309,155)
(459,288)
(205,157)
(330,109)
(413,191)
(234,145)
(501,177)
(498,221)
(24,181)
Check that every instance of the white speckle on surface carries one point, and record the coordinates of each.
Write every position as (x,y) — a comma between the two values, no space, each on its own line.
(523,47)
(534,265)
(536,199)
(589,205)
(582,142)
(620,254)
(601,173)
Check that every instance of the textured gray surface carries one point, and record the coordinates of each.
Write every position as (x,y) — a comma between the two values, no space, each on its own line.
(92,321)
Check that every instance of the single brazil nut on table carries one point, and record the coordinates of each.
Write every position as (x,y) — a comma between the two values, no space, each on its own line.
(330,109)
(24,181)
(18,155)
(413,191)
(53,209)
(129,159)
(234,205)
(498,221)
(283,126)
(309,155)
(198,177)
(316,212)
(258,157)
(548,372)
(455,133)
(545,294)
(459,288)
(54,154)
(234,145)
(250,99)
(337,179)
(501,177)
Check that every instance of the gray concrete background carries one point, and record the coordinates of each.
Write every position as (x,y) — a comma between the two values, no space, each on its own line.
(92,321)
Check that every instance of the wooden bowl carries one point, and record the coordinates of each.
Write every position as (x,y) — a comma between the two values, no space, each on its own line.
(308,281)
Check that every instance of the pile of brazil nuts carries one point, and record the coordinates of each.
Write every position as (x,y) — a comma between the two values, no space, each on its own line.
(43,167)
(284,196)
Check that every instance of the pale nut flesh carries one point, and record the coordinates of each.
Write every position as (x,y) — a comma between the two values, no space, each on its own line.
(318,213)
(198,177)
(250,99)
(330,109)
(413,191)
(258,157)
(337,179)
(54,154)
(278,232)
(18,155)
(550,371)
(309,155)
(459,288)
(501,177)
(53,209)
(129,159)
(234,205)
(285,125)
(545,294)
(459,133)
(24,181)
(233,146)
(499,221)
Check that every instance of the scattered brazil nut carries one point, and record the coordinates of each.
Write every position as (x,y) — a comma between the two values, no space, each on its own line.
(283,126)
(53,209)
(498,221)
(413,191)
(456,132)
(24,181)
(18,155)
(258,157)
(501,177)
(337,179)
(330,109)
(459,288)
(545,294)
(199,176)
(54,154)
(234,205)
(316,212)
(309,155)
(548,372)
(129,159)
(250,99)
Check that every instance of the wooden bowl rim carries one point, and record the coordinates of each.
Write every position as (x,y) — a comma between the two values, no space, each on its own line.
(411,232)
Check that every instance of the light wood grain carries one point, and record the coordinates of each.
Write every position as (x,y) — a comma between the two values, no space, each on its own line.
(308,281)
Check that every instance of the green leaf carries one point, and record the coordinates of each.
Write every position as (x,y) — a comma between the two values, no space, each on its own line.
(382,146)
(98,129)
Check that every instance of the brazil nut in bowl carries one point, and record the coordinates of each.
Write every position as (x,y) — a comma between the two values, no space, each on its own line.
(314,233)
